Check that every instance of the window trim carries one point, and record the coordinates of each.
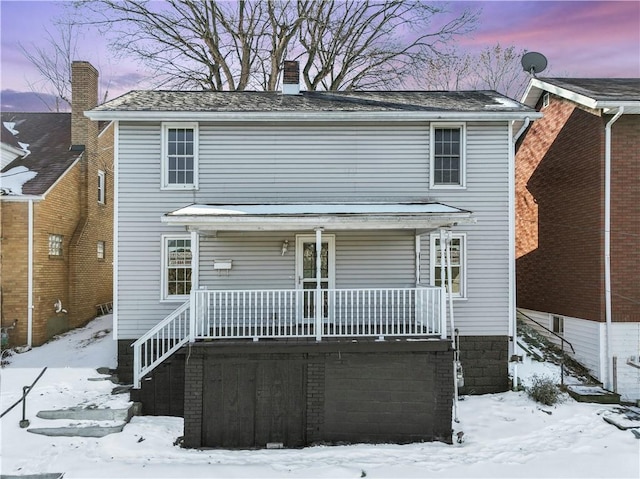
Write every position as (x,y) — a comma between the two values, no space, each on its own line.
(463,262)
(102,187)
(432,149)
(164,284)
(103,249)
(166,126)
(560,320)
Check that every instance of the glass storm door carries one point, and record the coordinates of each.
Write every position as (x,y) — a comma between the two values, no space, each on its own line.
(306,275)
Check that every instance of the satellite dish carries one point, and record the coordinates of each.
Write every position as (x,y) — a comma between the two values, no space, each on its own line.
(534,62)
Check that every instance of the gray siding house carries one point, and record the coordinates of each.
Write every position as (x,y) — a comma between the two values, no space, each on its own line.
(223,201)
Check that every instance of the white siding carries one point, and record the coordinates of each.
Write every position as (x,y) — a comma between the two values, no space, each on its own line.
(252,163)
(589,341)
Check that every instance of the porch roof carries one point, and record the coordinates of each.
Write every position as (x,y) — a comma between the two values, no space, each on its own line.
(336,216)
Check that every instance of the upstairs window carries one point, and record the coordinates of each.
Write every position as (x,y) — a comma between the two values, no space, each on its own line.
(180,156)
(55,245)
(447,163)
(100,249)
(102,182)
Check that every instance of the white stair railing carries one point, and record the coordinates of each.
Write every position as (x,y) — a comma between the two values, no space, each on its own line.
(160,342)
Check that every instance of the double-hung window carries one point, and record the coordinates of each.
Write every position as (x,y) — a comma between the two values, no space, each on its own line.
(176,267)
(457,252)
(102,184)
(180,156)
(447,162)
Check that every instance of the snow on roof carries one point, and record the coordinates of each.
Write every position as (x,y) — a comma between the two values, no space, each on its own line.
(316,209)
(12,181)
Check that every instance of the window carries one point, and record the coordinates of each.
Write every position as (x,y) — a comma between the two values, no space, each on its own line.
(458,264)
(558,324)
(176,260)
(55,245)
(180,156)
(101,187)
(100,249)
(545,100)
(447,166)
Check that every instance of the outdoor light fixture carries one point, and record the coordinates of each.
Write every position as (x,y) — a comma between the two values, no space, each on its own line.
(285,247)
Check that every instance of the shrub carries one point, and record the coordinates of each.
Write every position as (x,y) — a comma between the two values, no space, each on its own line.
(543,390)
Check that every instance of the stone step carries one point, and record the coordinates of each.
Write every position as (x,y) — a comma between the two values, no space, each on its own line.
(86,421)
(593,394)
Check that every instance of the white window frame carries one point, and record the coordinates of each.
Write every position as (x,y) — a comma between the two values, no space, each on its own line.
(164,286)
(432,150)
(552,320)
(56,245)
(101,249)
(545,99)
(102,187)
(165,156)
(434,255)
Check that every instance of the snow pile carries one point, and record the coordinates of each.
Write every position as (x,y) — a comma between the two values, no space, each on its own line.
(505,435)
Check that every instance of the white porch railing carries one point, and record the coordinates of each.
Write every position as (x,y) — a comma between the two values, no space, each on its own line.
(256,314)
(339,313)
(160,342)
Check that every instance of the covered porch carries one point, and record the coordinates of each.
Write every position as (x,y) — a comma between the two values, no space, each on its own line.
(314,308)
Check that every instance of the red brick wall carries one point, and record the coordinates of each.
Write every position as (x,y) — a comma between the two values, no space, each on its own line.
(625,218)
(559,213)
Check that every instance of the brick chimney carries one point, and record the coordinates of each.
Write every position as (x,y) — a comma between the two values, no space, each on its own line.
(291,78)
(84,96)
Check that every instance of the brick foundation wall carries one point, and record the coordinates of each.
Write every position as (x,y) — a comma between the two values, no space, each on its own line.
(485,363)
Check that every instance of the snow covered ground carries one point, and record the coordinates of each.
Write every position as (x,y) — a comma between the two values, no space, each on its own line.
(505,435)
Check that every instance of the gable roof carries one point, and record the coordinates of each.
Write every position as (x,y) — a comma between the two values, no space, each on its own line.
(164,104)
(47,137)
(598,93)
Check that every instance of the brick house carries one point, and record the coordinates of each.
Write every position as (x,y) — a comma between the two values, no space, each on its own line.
(578,221)
(56,216)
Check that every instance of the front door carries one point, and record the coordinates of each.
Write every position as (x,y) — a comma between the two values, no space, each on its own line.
(306,274)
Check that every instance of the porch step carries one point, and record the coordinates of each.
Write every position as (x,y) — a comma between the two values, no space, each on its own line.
(593,394)
(86,421)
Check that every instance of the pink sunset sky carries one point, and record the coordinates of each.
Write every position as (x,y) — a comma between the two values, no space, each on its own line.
(579,38)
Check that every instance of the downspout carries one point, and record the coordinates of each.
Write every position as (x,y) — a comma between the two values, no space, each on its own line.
(513,325)
(30,275)
(607,242)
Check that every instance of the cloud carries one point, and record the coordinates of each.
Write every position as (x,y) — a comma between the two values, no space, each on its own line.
(26,101)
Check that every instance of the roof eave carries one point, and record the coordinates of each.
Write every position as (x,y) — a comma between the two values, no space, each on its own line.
(280,116)
(302,222)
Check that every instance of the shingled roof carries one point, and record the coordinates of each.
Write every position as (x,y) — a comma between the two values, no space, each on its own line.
(311,101)
(48,138)
(600,89)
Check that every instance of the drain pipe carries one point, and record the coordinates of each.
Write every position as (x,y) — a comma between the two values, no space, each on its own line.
(30,275)
(607,241)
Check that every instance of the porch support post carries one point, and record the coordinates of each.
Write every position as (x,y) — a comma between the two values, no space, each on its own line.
(318,300)
(195,261)
(443,282)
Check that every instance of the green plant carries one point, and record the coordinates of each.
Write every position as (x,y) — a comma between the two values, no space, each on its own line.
(543,390)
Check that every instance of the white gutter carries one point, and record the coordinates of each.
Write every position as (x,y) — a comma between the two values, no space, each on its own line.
(30,275)
(607,242)
(287,116)
(513,327)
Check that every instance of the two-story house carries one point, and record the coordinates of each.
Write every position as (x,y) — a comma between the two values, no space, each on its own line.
(56,225)
(578,222)
(282,256)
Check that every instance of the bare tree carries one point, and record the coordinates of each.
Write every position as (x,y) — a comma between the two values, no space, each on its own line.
(449,71)
(242,44)
(498,68)
(53,62)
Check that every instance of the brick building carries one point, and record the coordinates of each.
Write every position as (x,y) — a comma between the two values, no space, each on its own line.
(578,221)
(56,216)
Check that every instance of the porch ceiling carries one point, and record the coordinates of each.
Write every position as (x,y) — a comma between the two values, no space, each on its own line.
(300,216)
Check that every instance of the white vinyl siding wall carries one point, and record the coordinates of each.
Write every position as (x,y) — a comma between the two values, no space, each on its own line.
(296,163)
